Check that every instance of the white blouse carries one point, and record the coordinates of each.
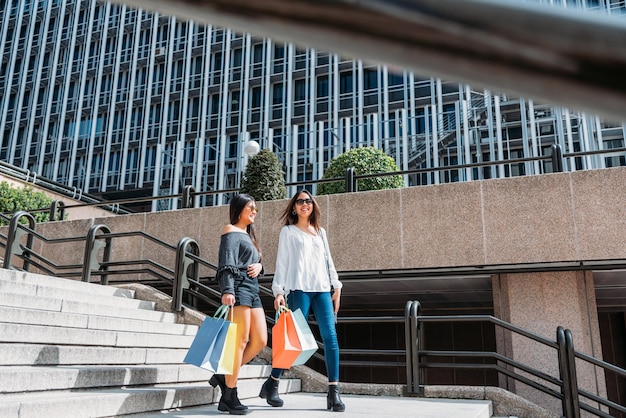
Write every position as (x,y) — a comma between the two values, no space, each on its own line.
(301,263)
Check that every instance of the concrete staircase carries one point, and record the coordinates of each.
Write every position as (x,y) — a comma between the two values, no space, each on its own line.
(69,348)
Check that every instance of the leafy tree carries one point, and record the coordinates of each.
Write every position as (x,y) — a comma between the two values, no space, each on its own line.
(263,178)
(365,160)
(15,199)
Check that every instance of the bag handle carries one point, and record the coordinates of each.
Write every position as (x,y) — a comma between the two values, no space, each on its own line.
(281,309)
(222,312)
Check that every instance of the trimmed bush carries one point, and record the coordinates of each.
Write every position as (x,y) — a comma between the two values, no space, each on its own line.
(15,199)
(263,178)
(365,160)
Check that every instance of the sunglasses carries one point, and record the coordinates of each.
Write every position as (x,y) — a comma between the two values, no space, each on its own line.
(253,209)
(303,201)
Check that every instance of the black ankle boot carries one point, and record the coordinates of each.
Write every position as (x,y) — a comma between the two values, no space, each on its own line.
(229,402)
(333,401)
(218,380)
(269,391)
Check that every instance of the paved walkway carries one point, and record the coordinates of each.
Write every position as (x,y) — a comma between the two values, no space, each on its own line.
(309,405)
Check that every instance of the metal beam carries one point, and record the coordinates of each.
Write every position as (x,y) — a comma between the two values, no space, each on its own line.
(561,56)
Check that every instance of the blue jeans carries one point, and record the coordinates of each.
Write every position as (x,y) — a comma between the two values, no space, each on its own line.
(322,306)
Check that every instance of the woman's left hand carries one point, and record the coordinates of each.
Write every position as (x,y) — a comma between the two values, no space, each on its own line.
(255,269)
(336,299)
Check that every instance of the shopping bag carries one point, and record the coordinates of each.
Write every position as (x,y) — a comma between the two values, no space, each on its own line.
(308,344)
(208,344)
(285,342)
(226,364)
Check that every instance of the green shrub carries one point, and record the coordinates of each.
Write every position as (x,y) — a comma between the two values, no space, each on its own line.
(15,199)
(365,160)
(263,178)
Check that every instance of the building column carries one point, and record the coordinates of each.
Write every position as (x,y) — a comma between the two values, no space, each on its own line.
(539,303)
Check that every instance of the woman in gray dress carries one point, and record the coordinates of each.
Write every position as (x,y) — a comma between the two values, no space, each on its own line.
(239,267)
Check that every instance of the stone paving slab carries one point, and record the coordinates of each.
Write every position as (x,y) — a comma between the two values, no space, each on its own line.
(309,405)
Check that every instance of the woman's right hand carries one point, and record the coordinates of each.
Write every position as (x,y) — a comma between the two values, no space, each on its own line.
(228,299)
(278,300)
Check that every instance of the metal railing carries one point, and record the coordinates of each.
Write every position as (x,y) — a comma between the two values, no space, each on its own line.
(571,396)
(184,275)
(351,178)
(70,192)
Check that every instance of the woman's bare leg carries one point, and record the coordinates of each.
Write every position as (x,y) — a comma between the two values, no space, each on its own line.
(258,335)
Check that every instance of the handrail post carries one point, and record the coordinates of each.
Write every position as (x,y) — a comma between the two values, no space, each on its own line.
(92,245)
(187,198)
(410,347)
(557,158)
(14,234)
(571,364)
(351,184)
(57,206)
(412,342)
(181,277)
(564,373)
(419,345)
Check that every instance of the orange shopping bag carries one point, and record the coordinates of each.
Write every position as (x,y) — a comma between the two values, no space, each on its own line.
(286,345)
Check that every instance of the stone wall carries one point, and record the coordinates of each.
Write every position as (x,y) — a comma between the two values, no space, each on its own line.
(565,217)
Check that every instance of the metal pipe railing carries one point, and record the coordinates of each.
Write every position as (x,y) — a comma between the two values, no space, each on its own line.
(570,394)
(350,179)
(182,273)
(92,246)
(413,344)
(15,233)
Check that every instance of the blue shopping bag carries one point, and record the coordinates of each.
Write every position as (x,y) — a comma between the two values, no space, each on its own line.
(306,337)
(207,346)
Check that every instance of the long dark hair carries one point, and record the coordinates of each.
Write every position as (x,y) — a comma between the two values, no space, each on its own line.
(237,204)
(290,217)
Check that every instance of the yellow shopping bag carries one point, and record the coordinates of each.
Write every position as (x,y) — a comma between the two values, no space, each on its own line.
(226,364)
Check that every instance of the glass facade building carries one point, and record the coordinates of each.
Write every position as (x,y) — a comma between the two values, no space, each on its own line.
(119,102)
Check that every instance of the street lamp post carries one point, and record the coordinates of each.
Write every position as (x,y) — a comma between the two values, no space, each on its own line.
(251,148)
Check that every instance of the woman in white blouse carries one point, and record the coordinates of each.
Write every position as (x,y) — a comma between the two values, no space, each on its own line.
(305,275)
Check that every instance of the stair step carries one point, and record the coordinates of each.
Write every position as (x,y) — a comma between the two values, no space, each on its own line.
(19,354)
(22,333)
(75,320)
(18,379)
(59,305)
(61,283)
(105,402)
(30,290)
